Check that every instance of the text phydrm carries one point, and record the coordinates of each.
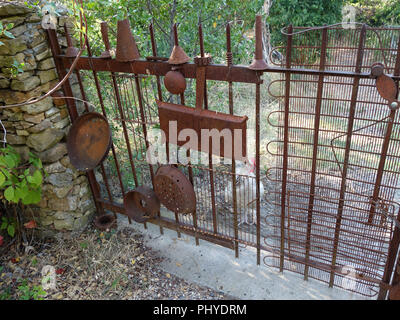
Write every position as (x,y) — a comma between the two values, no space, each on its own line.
(201,310)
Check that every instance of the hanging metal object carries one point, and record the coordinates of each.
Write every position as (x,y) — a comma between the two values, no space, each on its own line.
(104,222)
(88,141)
(141,204)
(104,33)
(126,45)
(199,120)
(71,51)
(175,82)
(385,85)
(258,61)
(174,190)
(202,121)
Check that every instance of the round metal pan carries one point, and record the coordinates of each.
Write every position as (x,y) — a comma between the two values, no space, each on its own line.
(89,141)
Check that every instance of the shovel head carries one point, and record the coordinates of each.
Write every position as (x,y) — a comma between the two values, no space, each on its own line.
(208,131)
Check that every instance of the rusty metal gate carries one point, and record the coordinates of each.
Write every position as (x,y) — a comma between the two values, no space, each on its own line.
(325,206)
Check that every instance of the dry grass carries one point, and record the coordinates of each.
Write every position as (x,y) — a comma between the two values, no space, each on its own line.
(97,265)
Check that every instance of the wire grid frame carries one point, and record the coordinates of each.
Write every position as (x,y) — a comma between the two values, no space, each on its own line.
(121,89)
(327,216)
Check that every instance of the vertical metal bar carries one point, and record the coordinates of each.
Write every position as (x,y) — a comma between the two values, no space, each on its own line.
(231,111)
(395,242)
(285,146)
(73,113)
(154,51)
(390,263)
(144,128)
(353,103)
(210,165)
(128,145)
(99,94)
(385,146)
(160,97)
(324,41)
(78,76)
(258,194)
(176,41)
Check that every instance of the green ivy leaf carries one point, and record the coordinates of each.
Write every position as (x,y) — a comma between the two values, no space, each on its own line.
(10,161)
(37,178)
(9,194)
(11,230)
(9,34)
(2,178)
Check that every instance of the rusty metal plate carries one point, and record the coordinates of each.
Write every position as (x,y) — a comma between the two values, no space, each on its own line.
(141,204)
(174,190)
(386,87)
(89,141)
(198,119)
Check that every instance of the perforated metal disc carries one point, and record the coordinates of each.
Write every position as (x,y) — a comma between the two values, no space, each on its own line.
(174,190)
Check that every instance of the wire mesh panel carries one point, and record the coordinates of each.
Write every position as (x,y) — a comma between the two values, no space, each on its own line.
(337,157)
(326,207)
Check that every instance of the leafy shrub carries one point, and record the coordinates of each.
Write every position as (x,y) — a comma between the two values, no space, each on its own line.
(302,13)
(21,185)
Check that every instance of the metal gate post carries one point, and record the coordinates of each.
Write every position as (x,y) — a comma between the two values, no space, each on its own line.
(72,110)
(285,145)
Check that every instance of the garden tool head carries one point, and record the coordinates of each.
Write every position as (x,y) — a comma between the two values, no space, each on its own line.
(258,61)
(178,56)
(126,45)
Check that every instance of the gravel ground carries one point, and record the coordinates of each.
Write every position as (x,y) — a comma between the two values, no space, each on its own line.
(96,265)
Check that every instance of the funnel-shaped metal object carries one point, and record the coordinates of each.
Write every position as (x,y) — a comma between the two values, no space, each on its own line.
(104,33)
(258,61)
(178,56)
(126,45)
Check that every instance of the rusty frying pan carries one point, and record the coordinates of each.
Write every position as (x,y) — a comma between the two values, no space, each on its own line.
(89,140)
(174,190)
(141,204)
(388,90)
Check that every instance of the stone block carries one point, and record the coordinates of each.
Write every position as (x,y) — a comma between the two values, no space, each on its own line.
(44,140)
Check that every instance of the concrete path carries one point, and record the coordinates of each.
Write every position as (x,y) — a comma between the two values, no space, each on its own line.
(216,267)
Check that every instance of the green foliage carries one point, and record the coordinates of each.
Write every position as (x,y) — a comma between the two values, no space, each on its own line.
(26,292)
(9,225)
(4,31)
(187,13)
(5,294)
(20,182)
(377,12)
(302,13)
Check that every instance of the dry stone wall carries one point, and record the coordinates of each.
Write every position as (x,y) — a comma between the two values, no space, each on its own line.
(41,127)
